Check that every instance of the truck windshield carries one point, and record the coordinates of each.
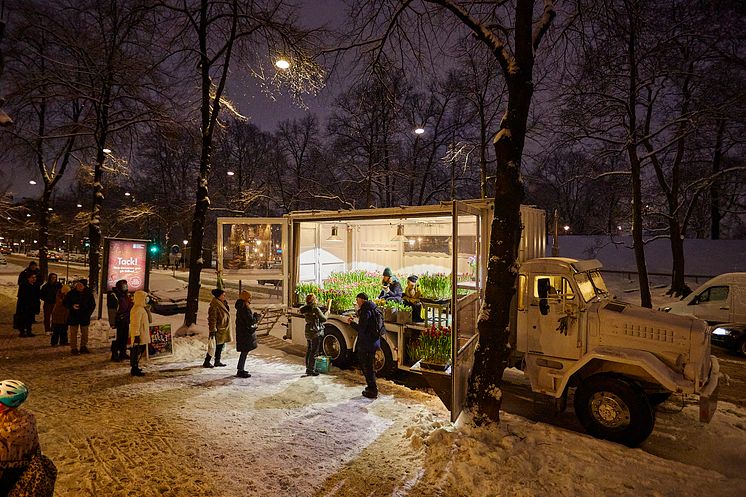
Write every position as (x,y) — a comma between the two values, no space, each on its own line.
(591,285)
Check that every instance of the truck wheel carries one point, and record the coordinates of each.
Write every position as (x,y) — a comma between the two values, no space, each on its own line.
(384,364)
(334,345)
(741,347)
(614,409)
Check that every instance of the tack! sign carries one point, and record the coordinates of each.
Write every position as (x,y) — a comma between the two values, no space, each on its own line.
(126,261)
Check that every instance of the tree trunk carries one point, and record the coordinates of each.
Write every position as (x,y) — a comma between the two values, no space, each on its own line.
(198,232)
(94,223)
(44,232)
(482,154)
(639,246)
(491,356)
(678,285)
(717,158)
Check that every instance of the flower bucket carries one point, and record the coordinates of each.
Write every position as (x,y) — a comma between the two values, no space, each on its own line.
(403,317)
(433,365)
(389,314)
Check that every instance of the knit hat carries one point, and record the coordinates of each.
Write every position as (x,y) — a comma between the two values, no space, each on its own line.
(413,278)
(217,292)
(387,272)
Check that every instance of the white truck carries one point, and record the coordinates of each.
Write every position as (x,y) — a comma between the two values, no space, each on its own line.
(567,332)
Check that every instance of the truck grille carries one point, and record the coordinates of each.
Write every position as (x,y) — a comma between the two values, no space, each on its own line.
(649,333)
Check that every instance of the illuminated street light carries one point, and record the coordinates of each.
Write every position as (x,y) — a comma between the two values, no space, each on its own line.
(419,131)
(80,205)
(282,64)
(185,242)
(32,182)
(28,215)
(106,150)
(566,228)
(49,209)
(231,173)
(127,194)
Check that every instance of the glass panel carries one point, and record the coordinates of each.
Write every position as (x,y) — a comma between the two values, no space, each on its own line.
(252,259)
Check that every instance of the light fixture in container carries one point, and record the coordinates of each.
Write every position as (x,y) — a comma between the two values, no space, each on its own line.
(399,234)
(334,237)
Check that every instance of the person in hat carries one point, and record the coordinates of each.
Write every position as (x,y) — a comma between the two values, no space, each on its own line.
(81,304)
(391,287)
(138,330)
(218,322)
(246,324)
(23,468)
(412,297)
(119,304)
(26,305)
(314,332)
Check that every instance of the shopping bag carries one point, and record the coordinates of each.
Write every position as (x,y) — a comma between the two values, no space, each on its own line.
(211,346)
(322,364)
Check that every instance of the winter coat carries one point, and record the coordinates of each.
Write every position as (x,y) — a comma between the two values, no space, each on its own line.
(86,302)
(368,338)
(118,304)
(139,319)
(314,320)
(28,271)
(60,313)
(412,295)
(49,291)
(395,290)
(246,323)
(28,301)
(219,320)
(18,438)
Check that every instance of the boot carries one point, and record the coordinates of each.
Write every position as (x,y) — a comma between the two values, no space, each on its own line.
(137,372)
(207,364)
(115,356)
(243,374)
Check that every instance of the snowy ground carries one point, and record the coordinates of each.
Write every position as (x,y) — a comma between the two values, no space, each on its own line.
(186,431)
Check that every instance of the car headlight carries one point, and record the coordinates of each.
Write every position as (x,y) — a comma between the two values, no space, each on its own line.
(721,331)
(666,309)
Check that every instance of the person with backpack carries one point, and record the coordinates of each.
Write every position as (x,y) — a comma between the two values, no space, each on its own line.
(370,329)
(314,332)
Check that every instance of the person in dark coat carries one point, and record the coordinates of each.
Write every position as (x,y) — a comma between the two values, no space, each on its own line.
(119,304)
(28,301)
(81,304)
(60,314)
(48,293)
(392,289)
(246,323)
(368,341)
(314,332)
(33,268)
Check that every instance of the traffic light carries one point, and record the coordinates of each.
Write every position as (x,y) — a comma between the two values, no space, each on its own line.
(86,243)
(154,249)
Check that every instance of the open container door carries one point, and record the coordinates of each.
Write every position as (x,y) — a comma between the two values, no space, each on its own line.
(253,250)
(466,298)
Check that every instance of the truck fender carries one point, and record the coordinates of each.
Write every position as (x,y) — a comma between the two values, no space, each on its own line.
(644,360)
(348,332)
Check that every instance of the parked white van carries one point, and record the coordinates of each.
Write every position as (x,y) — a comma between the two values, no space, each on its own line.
(721,300)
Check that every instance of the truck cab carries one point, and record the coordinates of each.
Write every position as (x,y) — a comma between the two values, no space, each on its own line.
(622,359)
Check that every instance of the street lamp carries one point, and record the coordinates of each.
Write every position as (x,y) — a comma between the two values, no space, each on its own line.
(231,173)
(419,131)
(127,194)
(80,205)
(566,228)
(282,64)
(106,150)
(32,182)
(185,242)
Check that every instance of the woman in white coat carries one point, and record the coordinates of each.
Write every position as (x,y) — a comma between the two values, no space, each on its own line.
(139,336)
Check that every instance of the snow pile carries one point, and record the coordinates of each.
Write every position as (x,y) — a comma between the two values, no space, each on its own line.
(522,458)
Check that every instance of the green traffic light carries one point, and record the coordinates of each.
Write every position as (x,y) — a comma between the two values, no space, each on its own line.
(153,249)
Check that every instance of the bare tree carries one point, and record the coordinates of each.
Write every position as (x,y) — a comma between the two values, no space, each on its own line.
(213,35)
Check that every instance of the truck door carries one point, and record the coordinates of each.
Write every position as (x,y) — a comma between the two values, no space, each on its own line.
(712,304)
(553,316)
(466,298)
(254,251)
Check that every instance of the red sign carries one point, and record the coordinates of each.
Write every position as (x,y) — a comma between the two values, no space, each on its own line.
(127,261)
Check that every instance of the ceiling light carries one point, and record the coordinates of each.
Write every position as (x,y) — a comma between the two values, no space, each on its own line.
(334,237)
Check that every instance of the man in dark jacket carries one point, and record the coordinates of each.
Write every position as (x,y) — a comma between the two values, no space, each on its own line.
(368,341)
(33,268)
(392,289)
(28,301)
(119,304)
(246,324)
(81,303)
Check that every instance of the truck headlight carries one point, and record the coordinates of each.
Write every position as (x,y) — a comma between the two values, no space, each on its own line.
(721,332)
(666,309)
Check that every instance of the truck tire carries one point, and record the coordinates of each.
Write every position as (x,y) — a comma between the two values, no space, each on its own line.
(384,364)
(334,346)
(741,347)
(614,409)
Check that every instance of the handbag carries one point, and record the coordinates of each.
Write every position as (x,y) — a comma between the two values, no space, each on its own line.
(212,346)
